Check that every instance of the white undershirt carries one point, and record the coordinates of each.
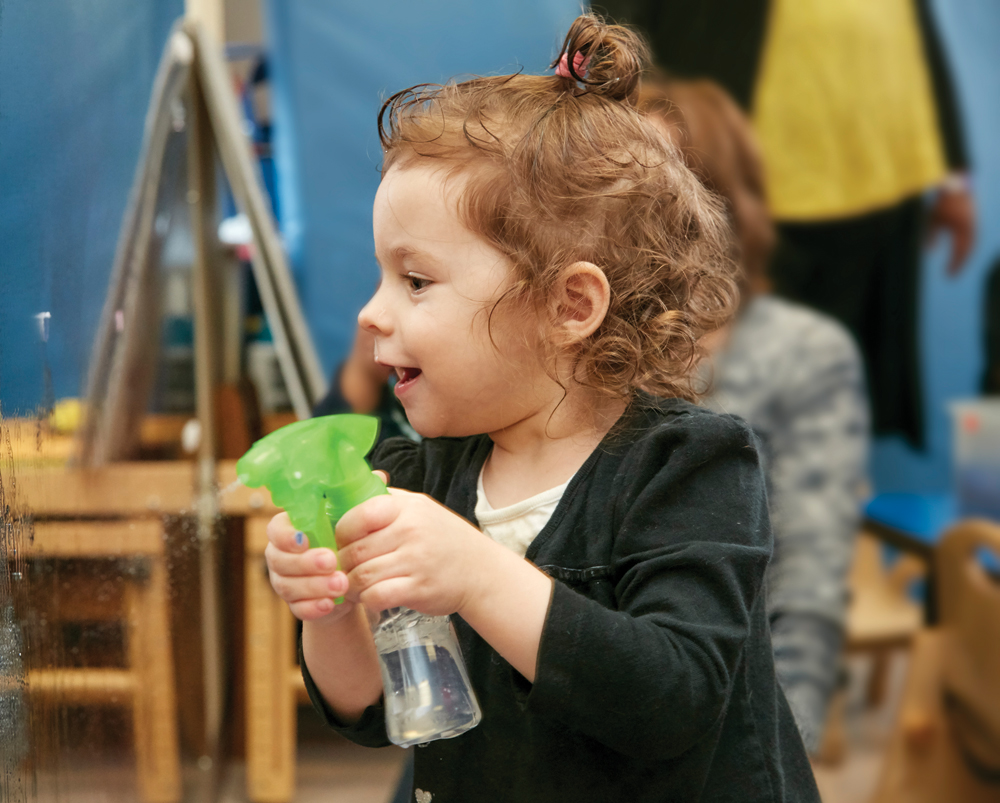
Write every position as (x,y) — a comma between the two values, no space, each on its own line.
(516,526)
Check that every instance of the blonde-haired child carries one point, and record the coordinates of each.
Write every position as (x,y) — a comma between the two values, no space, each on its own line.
(549,266)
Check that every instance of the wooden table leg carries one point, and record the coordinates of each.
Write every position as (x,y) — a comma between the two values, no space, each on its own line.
(270,744)
(154,703)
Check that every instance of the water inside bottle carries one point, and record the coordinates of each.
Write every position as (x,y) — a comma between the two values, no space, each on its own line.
(427,691)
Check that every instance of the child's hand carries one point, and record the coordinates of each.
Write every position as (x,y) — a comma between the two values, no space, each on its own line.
(304,578)
(406,549)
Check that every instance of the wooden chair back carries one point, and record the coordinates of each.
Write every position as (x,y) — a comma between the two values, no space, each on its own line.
(946,745)
(969,599)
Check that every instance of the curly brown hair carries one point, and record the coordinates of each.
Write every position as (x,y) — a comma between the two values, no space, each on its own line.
(560,170)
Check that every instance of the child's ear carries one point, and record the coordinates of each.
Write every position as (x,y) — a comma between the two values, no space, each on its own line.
(581,297)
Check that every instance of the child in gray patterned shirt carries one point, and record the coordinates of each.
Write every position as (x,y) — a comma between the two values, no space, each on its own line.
(796,377)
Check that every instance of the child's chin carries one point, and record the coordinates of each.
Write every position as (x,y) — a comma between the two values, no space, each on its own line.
(422,425)
(429,426)
(430,431)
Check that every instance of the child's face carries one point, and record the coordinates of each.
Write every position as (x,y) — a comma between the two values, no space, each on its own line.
(430,314)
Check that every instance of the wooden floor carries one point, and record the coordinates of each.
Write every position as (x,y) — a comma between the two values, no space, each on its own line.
(868,731)
(332,770)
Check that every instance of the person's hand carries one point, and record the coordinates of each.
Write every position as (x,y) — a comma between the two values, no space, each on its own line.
(307,579)
(954,210)
(406,549)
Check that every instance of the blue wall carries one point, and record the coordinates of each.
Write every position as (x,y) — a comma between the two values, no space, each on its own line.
(332,64)
(953,307)
(74,84)
(75,78)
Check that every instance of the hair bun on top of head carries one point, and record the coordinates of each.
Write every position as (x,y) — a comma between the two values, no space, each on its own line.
(606,59)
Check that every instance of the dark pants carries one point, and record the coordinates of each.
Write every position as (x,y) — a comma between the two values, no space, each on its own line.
(865,272)
(991,331)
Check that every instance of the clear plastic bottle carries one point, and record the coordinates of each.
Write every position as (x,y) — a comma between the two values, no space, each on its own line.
(316,471)
(427,691)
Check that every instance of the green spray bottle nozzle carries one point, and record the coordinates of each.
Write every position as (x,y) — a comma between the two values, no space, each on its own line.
(315,470)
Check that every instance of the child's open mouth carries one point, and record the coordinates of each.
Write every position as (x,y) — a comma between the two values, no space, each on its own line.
(406,377)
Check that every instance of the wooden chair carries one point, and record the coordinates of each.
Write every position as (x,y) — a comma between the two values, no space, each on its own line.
(147,681)
(882,619)
(946,744)
(123,505)
(115,512)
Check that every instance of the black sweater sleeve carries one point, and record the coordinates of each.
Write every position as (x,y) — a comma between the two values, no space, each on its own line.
(368,731)
(692,542)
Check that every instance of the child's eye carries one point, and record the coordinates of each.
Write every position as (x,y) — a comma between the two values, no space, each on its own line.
(417,282)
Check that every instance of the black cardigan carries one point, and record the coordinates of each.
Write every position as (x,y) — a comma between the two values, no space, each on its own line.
(655,679)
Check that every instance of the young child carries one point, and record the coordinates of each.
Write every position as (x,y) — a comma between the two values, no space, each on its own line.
(548,268)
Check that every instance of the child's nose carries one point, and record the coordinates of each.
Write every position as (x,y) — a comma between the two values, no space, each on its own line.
(373,318)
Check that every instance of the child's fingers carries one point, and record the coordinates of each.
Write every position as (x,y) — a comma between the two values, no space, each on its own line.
(306,610)
(313,561)
(371,515)
(284,536)
(363,550)
(297,589)
(382,475)
(375,571)
(389,593)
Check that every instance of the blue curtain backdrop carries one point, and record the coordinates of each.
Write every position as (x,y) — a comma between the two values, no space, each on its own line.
(75,79)
(952,311)
(332,65)
(334,61)
(74,84)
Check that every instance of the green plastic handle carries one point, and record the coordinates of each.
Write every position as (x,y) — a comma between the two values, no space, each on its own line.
(316,471)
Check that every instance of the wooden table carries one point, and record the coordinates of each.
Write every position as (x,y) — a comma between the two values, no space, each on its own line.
(116,512)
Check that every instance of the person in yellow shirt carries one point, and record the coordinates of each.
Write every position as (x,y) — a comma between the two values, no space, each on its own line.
(858,124)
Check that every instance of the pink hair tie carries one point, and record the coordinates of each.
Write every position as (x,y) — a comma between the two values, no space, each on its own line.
(580,64)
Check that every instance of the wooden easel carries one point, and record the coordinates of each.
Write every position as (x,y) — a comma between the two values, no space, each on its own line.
(193,77)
